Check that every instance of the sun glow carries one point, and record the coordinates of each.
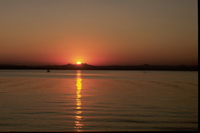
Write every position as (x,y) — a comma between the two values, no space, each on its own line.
(78,62)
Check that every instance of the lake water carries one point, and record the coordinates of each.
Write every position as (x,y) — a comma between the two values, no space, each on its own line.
(87,100)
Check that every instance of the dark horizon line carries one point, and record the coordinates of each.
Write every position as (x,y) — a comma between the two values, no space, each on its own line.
(92,65)
(86,66)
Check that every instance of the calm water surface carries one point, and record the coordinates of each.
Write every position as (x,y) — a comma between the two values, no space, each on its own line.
(90,100)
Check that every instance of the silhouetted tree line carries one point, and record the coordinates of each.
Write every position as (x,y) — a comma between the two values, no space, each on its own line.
(91,67)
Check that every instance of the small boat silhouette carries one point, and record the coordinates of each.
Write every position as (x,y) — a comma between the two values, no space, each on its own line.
(48,70)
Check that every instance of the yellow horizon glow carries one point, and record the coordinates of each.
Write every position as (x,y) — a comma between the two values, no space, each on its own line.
(78,62)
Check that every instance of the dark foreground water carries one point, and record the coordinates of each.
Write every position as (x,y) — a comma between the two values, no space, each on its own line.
(98,100)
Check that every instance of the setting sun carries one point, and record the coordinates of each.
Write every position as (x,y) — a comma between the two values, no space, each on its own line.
(78,63)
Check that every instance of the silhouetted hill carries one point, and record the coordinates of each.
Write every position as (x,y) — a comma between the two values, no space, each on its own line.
(91,67)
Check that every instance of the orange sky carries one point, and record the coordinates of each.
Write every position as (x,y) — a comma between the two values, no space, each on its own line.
(114,32)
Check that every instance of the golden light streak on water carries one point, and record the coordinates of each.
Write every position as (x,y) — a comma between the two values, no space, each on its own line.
(78,117)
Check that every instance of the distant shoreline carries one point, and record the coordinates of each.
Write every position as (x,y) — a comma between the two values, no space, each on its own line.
(91,67)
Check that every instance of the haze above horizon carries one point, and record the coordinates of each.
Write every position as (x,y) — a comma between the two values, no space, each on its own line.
(99,32)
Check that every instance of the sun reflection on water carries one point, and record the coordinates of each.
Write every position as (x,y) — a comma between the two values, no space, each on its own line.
(78,124)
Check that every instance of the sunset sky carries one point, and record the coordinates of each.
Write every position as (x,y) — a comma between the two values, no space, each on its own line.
(98,32)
